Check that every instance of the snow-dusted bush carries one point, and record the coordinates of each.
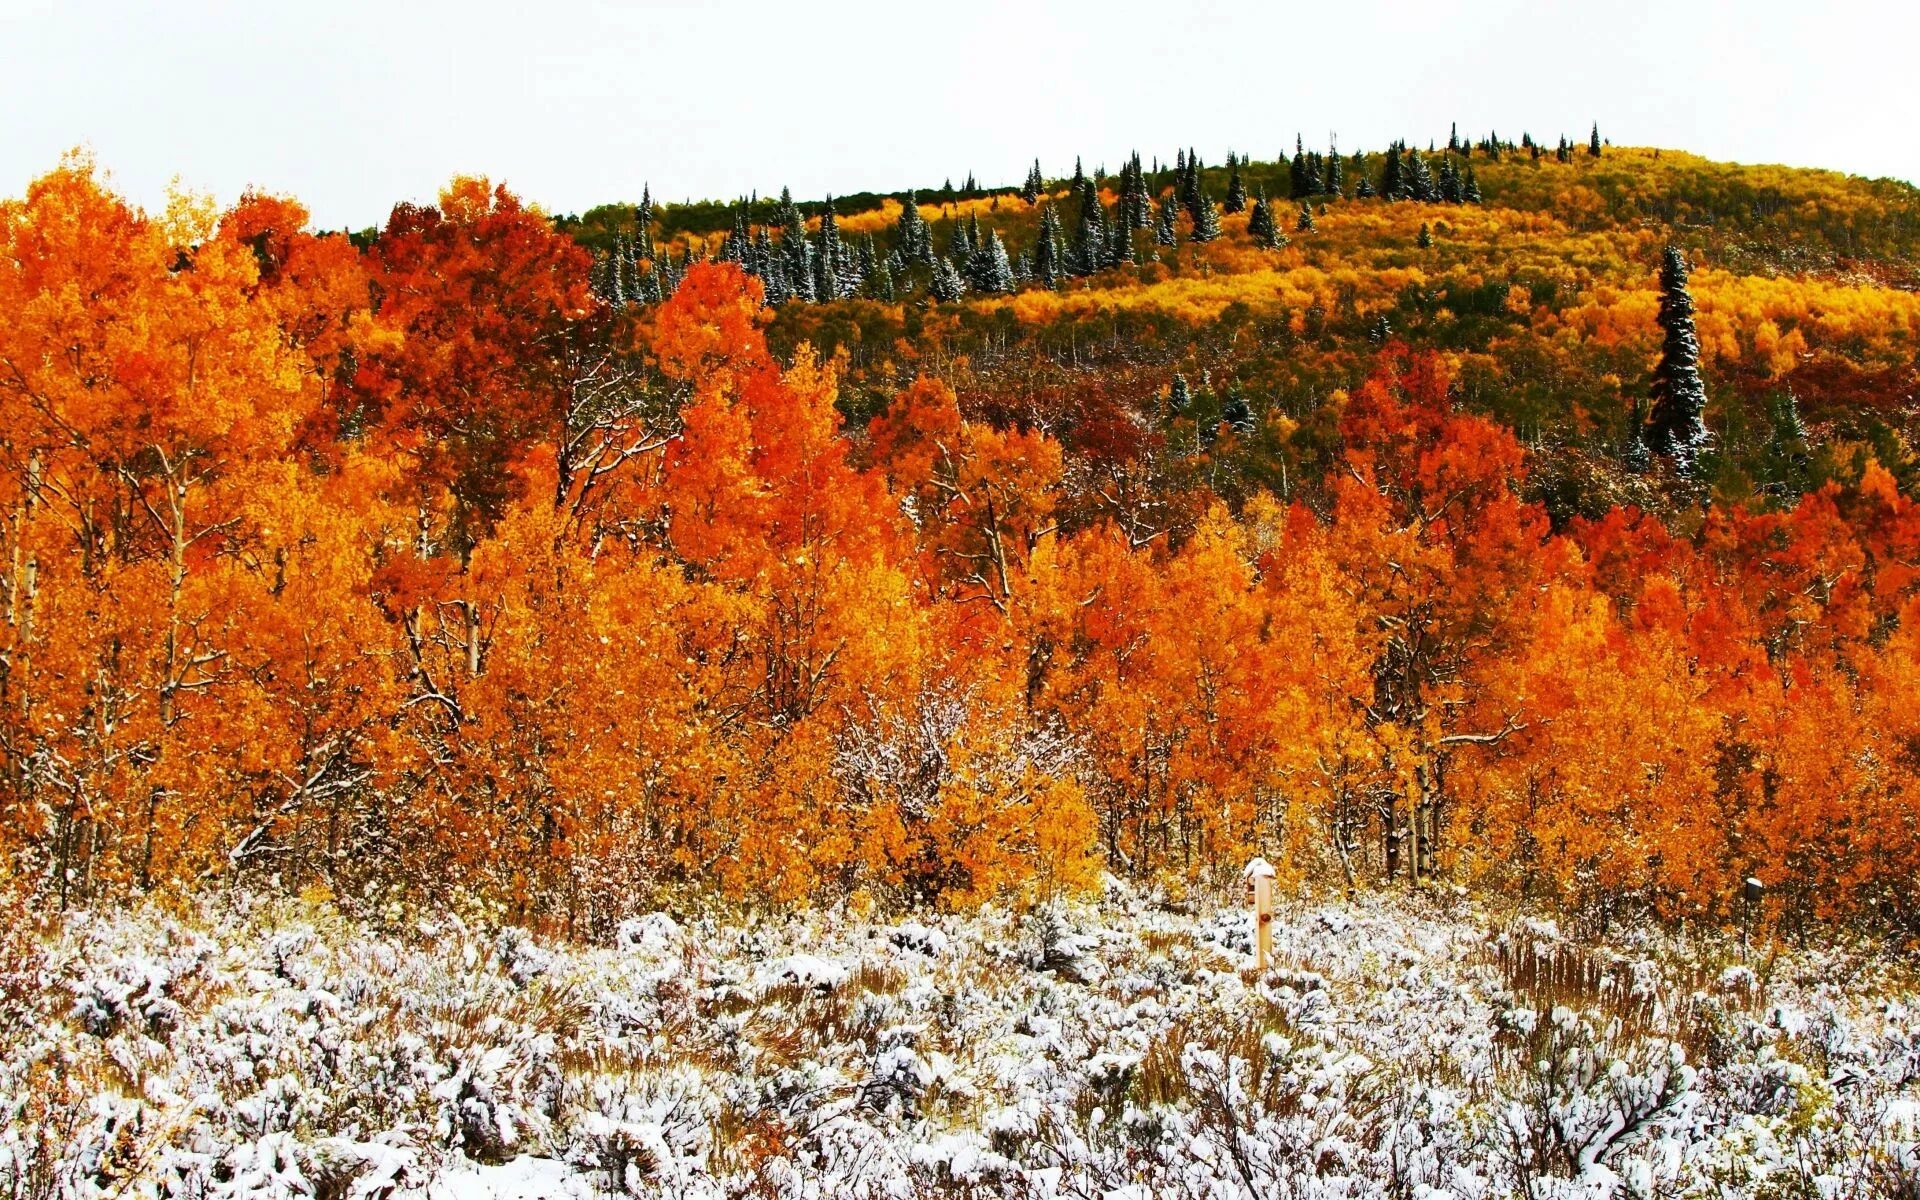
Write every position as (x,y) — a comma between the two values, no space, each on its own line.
(1090,1051)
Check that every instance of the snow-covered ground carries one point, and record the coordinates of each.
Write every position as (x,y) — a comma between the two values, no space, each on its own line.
(1121,1049)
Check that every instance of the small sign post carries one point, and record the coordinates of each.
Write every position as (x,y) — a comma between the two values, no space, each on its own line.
(1259,876)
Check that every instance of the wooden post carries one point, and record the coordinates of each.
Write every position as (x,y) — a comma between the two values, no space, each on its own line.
(1263,921)
(1259,876)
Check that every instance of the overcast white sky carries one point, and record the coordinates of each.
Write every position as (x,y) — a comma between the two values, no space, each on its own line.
(351,105)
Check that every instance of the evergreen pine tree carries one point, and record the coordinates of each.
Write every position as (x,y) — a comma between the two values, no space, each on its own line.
(997,273)
(1593,143)
(1179,397)
(1364,189)
(768,266)
(1305,224)
(1035,184)
(1380,330)
(1090,250)
(1048,265)
(1237,414)
(1470,190)
(946,285)
(648,291)
(1425,240)
(734,250)
(1165,233)
(787,214)
(826,258)
(1390,185)
(597,275)
(880,282)
(797,251)
(1206,218)
(1335,184)
(1236,187)
(978,265)
(1140,211)
(1119,241)
(1417,180)
(1676,425)
(959,249)
(1079,176)
(643,221)
(625,286)
(1261,225)
(914,238)
(1300,181)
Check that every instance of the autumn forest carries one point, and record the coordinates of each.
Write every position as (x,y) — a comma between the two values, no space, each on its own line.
(1525,517)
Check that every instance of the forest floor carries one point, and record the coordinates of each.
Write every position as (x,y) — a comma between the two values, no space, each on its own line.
(1121,1049)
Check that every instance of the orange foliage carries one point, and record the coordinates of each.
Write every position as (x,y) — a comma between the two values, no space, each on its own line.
(419,568)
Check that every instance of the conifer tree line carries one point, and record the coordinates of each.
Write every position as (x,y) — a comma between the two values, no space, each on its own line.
(801,255)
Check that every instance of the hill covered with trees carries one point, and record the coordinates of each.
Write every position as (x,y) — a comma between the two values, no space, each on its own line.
(1539,518)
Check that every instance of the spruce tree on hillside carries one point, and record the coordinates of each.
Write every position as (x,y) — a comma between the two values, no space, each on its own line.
(796,250)
(1049,266)
(880,282)
(946,285)
(768,267)
(1300,180)
(1136,206)
(648,289)
(1305,223)
(1165,232)
(787,214)
(1335,183)
(1390,182)
(1676,424)
(1417,181)
(1179,397)
(1593,143)
(1237,415)
(1206,218)
(1079,176)
(1261,225)
(1236,200)
(996,269)
(1090,250)
(643,222)
(1119,240)
(827,266)
(915,237)
(959,244)
(1035,184)
(1425,240)
(1470,187)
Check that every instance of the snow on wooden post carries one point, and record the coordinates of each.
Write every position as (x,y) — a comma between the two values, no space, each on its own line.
(1259,876)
